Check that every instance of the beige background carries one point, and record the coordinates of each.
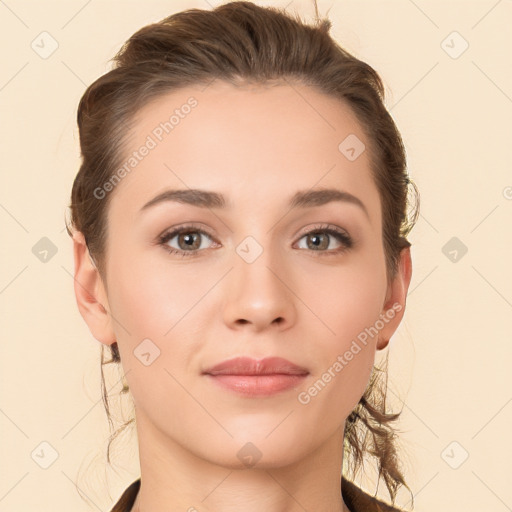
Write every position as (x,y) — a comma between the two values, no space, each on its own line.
(450,360)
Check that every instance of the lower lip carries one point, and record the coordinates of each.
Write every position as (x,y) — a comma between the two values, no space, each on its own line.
(258,385)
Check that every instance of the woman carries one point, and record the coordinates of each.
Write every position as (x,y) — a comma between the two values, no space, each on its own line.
(239,223)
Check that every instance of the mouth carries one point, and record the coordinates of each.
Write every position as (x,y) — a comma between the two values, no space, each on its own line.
(253,378)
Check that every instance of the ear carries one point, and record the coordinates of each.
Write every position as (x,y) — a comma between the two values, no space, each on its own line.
(394,307)
(90,293)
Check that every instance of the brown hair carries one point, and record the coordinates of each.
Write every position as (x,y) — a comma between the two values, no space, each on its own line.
(240,42)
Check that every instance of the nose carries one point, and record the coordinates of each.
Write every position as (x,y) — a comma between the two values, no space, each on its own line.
(258,295)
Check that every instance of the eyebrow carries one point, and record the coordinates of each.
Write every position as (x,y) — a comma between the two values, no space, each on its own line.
(301,199)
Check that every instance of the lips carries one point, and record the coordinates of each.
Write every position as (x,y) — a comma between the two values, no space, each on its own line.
(253,367)
(254,378)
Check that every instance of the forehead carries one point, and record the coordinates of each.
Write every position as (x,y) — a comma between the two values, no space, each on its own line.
(255,144)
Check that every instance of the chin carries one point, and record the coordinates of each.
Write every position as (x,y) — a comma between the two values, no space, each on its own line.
(258,451)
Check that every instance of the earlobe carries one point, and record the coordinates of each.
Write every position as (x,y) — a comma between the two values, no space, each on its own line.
(382,344)
(394,307)
(90,293)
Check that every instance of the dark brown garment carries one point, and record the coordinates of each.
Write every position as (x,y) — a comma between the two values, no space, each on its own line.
(355,499)
(127,499)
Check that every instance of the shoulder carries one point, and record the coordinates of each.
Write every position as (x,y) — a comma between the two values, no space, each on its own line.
(359,501)
(127,499)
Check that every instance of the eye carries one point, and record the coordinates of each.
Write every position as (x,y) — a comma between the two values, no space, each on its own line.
(188,239)
(319,239)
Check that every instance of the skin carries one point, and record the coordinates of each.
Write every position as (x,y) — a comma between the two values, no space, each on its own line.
(257,145)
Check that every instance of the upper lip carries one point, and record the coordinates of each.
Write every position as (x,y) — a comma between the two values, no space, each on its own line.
(249,366)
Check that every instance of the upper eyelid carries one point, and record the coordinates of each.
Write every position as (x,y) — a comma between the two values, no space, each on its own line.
(317,226)
(179,229)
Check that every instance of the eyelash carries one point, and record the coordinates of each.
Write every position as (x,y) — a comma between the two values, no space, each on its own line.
(343,237)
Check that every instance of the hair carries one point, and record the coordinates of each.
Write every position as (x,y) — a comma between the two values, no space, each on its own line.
(242,43)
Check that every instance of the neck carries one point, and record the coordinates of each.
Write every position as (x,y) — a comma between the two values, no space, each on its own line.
(173,478)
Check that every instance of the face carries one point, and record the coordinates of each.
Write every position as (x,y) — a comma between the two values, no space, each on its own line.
(200,280)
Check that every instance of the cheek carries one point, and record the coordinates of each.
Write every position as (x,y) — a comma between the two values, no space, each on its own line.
(348,302)
(154,314)
(154,297)
(160,311)
(347,358)
(347,298)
